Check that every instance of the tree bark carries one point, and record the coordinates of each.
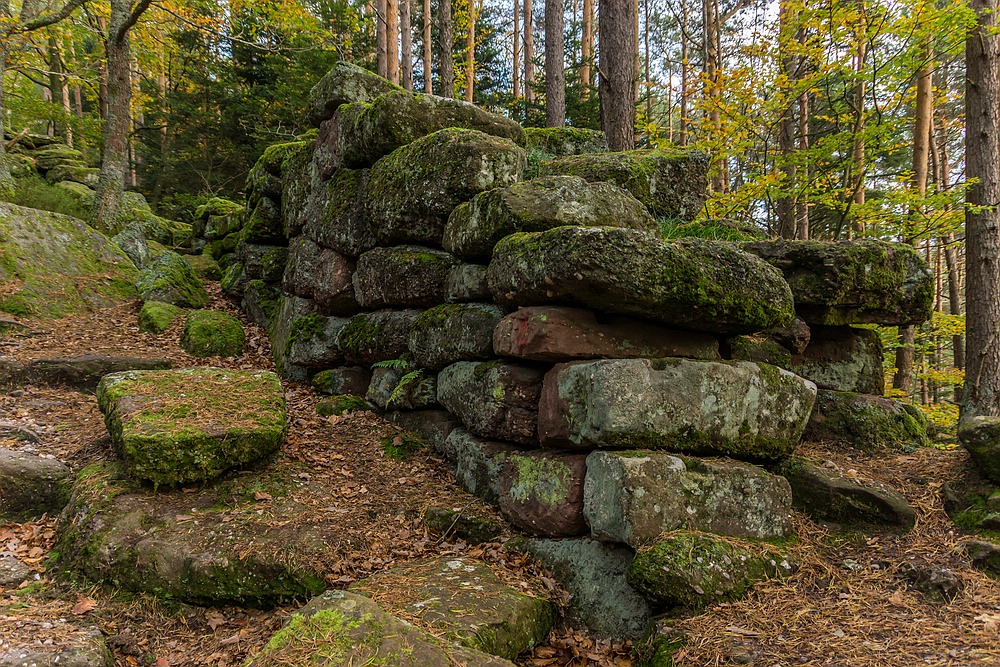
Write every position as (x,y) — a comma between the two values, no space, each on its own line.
(529,51)
(785,206)
(982,219)
(470,54)
(555,56)
(587,50)
(392,40)
(801,203)
(428,51)
(7,184)
(683,129)
(617,59)
(406,40)
(381,39)
(516,67)
(858,154)
(445,65)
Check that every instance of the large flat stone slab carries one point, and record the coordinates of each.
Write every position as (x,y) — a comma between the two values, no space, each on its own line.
(474,229)
(402,277)
(852,282)
(558,333)
(463,601)
(493,399)
(191,425)
(633,496)
(736,408)
(453,332)
(379,336)
(689,283)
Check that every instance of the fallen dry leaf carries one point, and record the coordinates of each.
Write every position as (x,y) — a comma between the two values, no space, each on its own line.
(84,605)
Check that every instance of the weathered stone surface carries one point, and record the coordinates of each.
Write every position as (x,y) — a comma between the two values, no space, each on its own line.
(370,131)
(542,493)
(342,221)
(467,283)
(633,496)
(341,404)
(132,241)
(433,426)
(981,438)
(31,486)
(13,571)
(326,153)
(264,178)
(984,556)
(735,408)
(557,333)
(73,172)
(343,84)
(352,380)
(671,183)
(262,262)
(80,649)
(395,389)
(403,276)
(412,192)
(842,359)
(453,332)
(261,302)
(493,399)
(155,317)
(694,570)
(84,372)
(852,282)
(54,265)
(474,229)
(558,141)
(794,337)
(871,423)
(690,283)
(372,337)
(50,156)
(171,280)
(344,629)
(302,338)
(264,226)
(149,416)
(211,333)
(322,275)
(298,181)
(462,523)
(461,600)
(757,348)
(845,501)
(477,462)
(204,266)
(594,575)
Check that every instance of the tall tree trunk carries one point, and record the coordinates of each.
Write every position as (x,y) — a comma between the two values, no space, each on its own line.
(529,51)
(801,203)
(516,67)
(406,39)
(712,92)
(7,184)
(428,50)
(392,40)
(645,39)
(446,66)
(617,89)
(683,129)
(381,39)
(470,54)
(587,49)
(785,206)
(555,57)
(922,117)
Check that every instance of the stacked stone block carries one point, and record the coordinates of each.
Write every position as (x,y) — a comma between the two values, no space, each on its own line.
(539,333)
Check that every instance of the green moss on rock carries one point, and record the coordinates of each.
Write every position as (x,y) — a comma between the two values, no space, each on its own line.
(210,333)
(156,316)
(341,405)
(170,279)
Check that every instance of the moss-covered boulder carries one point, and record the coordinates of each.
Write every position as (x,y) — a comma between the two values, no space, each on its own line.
(351,380)
(369,131)
(298,181)
(344,629)
(211,333)
(402,277)
(559,141)
(748,411)
(263,262)
(412,191)
(191,425)
(467,283)
(170,279)
(264,178)
(493,399)
(632,496)
(672,183)
(31,486)
(694,570)
(842,359)
(50,156)
(54,265)
(473,526)
(398,387)
(870,423)
(264,226)
(474,229)
(78,173)
(261,302)
(321,274)
(218,206)
(852,282)
(343,84)
(155,317)
(453,332)
(541,493)
(847,502)
(132,241)
(341,220)
(478,462)
(980,435)
(341,404)
(693,284)
(379,336)
(81,194)
(463,601)
(302,339)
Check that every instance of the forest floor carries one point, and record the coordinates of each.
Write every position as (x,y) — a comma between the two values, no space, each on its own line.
(848,604)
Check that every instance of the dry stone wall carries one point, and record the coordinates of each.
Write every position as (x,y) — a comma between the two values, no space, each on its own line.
(594,380)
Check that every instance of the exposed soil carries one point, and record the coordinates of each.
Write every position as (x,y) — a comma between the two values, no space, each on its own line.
(849,603)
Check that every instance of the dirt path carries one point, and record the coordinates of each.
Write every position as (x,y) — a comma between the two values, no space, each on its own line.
(849,604)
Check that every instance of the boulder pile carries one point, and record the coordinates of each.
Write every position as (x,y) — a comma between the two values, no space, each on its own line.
(602,385)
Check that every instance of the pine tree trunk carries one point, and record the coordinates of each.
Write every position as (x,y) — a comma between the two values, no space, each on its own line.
(381,39)
(555,55)
(683,129)
(6,180)
(587,50)
(516,67)
(406,39)
(801,203)
(529,51)
(428,50)
(785,206)
(617,84)
(446,66)
(470,54)
(858,154)
(392,40)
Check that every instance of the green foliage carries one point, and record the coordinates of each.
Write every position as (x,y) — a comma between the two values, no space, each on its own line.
(36,192)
